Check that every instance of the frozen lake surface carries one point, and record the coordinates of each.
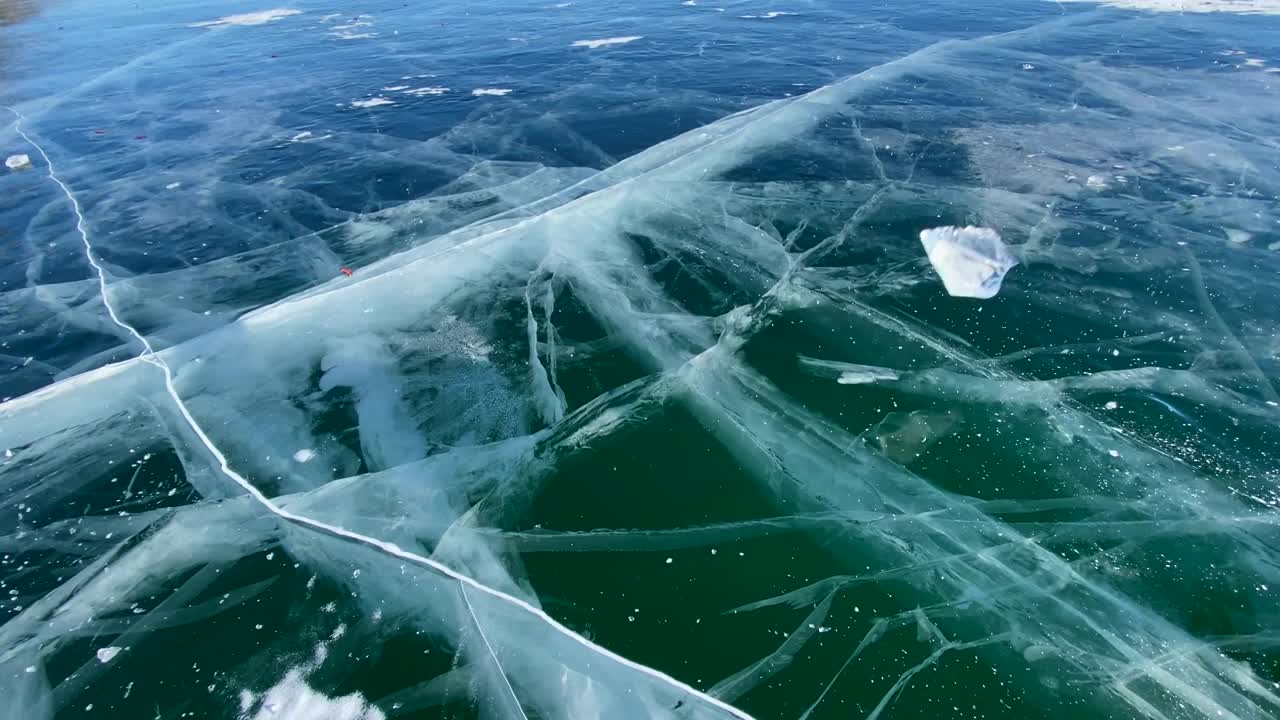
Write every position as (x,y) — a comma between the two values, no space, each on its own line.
(751,359)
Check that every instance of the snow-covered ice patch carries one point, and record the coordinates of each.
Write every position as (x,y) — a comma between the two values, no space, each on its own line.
(604,42)
(972,261)
(107,654)
(478,92)
(373,102)
(395,88)
(173,186)
(304,455)
(1097,182)
(423,91)
(17,162)
(257,18)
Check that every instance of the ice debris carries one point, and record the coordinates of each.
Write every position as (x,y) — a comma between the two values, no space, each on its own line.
(972,261)
(17,162)
(107,654)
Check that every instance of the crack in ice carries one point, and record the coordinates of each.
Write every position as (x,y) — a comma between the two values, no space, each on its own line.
(149,355)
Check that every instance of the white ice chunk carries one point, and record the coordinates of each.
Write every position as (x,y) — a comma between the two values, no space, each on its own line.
(17,162)
(1235,236)
(422,91)
(107,654)
(972,261)
(372,102)
(602,42)
(258,18)
(304,455)
(499,92)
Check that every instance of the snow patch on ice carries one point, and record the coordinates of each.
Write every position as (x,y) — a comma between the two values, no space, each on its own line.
(605,42)
(1235,236)
(17,162)
(293,699)
(304,455)
(107,654)
(257,18)
(972,261)
(478,92)
(424,91)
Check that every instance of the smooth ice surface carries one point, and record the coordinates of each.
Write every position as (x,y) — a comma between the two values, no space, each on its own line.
(972,261)
(578,382)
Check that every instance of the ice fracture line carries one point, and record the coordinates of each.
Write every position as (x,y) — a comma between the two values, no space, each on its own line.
(149,355)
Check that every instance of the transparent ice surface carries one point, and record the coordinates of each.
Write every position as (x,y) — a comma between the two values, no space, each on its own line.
(673,419)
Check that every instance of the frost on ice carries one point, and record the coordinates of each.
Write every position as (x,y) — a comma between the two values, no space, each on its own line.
(972,261)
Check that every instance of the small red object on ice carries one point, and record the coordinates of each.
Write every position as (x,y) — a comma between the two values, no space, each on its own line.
(347,271)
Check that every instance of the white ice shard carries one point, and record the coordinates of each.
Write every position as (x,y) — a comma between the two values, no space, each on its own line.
(972,261)
(17,162)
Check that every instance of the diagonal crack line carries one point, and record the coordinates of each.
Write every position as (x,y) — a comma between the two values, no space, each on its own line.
(149,355)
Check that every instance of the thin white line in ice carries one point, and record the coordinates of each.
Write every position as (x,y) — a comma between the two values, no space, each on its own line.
(149,355)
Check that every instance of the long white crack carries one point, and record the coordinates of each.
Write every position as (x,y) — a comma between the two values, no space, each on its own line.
(149,356)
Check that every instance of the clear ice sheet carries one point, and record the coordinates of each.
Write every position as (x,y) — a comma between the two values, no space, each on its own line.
(675,422)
